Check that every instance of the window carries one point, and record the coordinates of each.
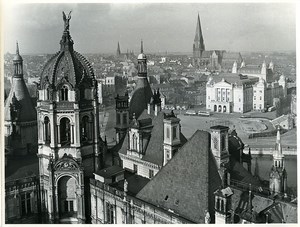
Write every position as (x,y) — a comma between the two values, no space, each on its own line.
(168,133)
(68,206)
(125,118)
(260,98)
(109,213)
(25,204)
(65,131)
(254,97)
(47,134)
(239,99)
(85,129)
(64,93)
(174,132)
(151,173)
(135,168)
(208,97)
(118,118)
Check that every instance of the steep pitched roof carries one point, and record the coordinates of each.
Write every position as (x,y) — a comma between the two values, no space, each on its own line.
(154,143)
(19,93)
(186,183)
(141,96)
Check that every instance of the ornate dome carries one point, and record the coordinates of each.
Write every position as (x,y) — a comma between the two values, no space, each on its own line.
(67,65)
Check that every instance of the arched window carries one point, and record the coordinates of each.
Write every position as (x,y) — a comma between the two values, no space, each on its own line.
(47,134)
(64,93)
(65,131)
(85,129)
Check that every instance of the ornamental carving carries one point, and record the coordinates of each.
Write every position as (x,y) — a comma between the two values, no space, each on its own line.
(66,163)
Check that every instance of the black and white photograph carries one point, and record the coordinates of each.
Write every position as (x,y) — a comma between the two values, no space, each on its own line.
(149,112)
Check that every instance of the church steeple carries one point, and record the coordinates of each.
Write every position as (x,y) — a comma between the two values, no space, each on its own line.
(118,50)
(199,41)
(278,156)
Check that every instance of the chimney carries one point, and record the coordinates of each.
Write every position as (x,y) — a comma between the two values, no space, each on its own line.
(149,108)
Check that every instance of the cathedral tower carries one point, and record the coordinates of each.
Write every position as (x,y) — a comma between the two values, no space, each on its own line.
(70,147)
(278,175)
(198,46)
(20,115)
(118,50)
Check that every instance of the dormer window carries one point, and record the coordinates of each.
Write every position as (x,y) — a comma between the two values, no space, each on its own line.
(64,93)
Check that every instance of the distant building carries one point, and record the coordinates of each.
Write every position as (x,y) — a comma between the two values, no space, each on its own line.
(211,60)
(242,93)
(233,93)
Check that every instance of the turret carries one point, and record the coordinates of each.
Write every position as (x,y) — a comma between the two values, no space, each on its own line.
(219,145)
(171,136)
(234,67)
(278,175)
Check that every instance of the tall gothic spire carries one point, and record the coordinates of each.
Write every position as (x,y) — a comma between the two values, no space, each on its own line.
(118,49)
(199,41)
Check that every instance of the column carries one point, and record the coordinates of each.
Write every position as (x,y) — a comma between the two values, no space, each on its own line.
(77,129)
(52,133)
(58,134)
(72,134)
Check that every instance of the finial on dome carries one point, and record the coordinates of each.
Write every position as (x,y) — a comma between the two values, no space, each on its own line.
(17,48)
(142,48)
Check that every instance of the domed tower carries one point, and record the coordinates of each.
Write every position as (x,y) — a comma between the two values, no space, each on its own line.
(142,94)
(19,114)
(70,147)
(278,175)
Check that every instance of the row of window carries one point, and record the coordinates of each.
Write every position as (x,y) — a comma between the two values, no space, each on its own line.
(66,135)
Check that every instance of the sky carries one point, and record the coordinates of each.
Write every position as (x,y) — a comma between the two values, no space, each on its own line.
(97,27)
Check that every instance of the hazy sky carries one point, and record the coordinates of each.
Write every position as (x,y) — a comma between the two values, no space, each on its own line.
(96,28)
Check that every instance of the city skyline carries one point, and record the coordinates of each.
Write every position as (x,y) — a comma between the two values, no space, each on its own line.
(97,28)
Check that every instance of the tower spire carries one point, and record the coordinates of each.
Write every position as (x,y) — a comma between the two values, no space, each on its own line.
(17,49)
(199,41)
(142,47)
(118,49)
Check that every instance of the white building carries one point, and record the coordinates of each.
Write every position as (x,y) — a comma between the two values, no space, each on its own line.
(232,94)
